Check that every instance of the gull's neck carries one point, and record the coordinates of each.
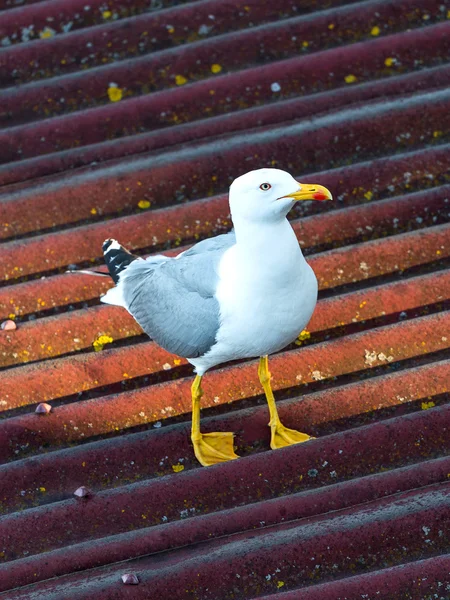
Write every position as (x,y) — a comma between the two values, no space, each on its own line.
(269,242)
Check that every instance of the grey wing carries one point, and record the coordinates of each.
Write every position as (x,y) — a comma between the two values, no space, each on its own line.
(174,300)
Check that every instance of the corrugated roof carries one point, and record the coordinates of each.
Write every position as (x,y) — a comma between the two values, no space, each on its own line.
(129,119)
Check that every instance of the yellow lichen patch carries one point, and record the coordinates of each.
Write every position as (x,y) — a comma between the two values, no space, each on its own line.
(42,489)
(215,68)
(115,93)
(101,341)
(144,204)
(46,33)
(280,584)
(177,468)
(368,195)
(11,316)
(427,405)
(170,29)
(93,211)
(350,78)
(302,336)
(375,31)
(437,134)
(389,61)
(305,44)
(180,80)
(331,26)
(106,14)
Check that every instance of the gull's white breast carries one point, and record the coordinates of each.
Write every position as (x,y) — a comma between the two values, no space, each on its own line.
(265,301)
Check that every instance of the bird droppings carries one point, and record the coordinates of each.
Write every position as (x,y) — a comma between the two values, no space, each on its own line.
(43,408)
(317,376)
(82,493)
(389,171)
(275,87)
(130,579)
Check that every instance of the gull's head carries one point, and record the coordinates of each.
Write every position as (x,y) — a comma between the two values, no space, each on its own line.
(269,194)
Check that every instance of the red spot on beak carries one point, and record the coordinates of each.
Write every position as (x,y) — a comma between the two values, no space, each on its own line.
(319,196)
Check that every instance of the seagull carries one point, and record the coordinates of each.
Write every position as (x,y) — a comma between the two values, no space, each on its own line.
(244,294)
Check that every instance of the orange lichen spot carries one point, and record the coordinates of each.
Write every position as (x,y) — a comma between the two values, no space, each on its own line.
(101,341)
(180,80)
(389,61)
(176,361)
(143,204)
(93,211)
(46,33)
(212,92)
(368,195)
(375,31)
(177,468)
(106,14)
(115,93)
(215,68)
(438,252)
(350,78)
(427,405)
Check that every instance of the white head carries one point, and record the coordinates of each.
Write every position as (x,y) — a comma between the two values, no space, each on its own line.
(268,195)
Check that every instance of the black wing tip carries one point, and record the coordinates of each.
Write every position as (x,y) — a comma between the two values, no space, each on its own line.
(106,244)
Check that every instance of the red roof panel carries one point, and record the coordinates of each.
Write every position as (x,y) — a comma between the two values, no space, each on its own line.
(104,105)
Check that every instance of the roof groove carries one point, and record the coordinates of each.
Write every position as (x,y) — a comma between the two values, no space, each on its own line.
(353,95)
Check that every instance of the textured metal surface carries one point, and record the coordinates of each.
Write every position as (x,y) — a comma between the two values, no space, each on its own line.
(130,119)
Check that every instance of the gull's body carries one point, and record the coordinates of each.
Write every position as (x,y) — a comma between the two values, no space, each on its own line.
(245,294)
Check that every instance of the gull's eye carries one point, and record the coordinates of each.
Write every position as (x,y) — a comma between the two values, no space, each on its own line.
(265,186)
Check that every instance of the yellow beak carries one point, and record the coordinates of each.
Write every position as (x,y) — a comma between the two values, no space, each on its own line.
(310,191)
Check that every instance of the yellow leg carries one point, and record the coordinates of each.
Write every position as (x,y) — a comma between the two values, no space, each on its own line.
(209,448)
(280,435)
